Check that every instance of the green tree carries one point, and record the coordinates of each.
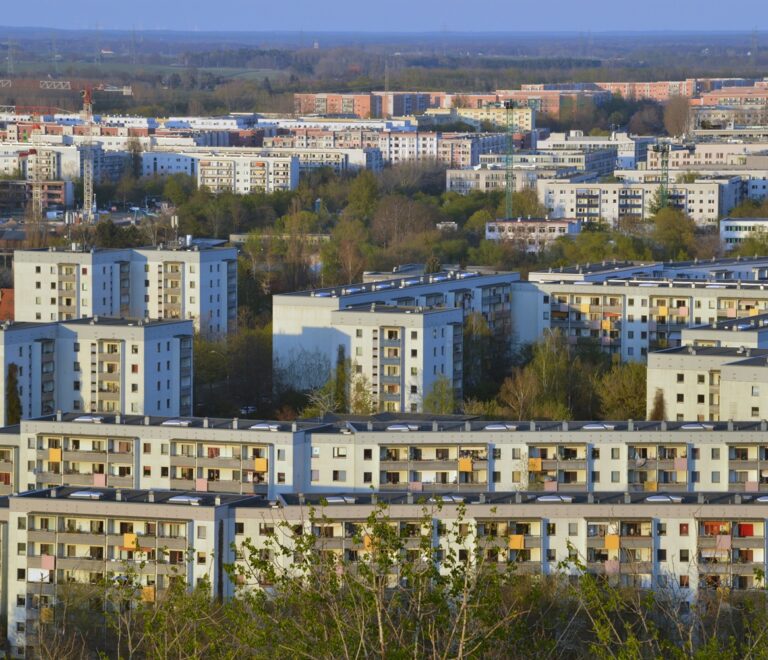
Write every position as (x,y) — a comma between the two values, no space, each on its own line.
(622,391)
(363,196)
(12,399)
(674,232)
(659,409)
(441,397)
(433,264)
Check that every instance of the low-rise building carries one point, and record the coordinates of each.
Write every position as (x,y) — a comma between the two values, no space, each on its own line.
(531,234)
(733,231)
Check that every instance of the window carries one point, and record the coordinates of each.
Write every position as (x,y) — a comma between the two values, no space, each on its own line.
(496,477)
(595,477)
(339,452)
(367,477)
(21,574)
(339,475)
(367,454)
(281,477)
(551,554)
(683,529)
(314,475)
(359,332)
(685,556)
(147,470)
(21,523)
(146,448)
(21,548)
(680,378)
(414,353)
(615,453)
(661,529)
(164,471)
(755,411)
(684,581)
(615,476)
(700,379)
(681,398)
(551,529)
(239,528)
(661,555)
(700,398)
(715,477)
(414,371)
(134,368)
(715,453)
(573,528)
(496,453)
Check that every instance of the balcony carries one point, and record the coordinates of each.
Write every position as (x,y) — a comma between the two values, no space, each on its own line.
(115,481)
(219,462)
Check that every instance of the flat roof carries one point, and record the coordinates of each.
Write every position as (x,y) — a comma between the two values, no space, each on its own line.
(652,499)
(401,283)
(395,309)
(759,322)
(715,351)
(136,496)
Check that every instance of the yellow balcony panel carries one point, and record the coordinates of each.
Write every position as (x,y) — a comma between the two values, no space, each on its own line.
(54,455)
(259,464)
(465,465)
(651,486)
(148,594)
(534,465)
(517,542)
(129,541)
(612,542)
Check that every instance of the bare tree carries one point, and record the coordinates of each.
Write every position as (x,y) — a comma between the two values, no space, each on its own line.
(677,114)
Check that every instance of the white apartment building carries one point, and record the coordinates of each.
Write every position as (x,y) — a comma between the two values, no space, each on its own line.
(484,178)
(400,352)
(709,383)
(676,544)
(83,536)
(631,308)
(305,341)
(99,365)
(531,234)
(682,157)
(243,174)
(190,282)
(705,200)
(630,149)
(389,454)
(733,231)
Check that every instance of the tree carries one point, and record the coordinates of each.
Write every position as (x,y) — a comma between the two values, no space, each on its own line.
(519,393)
(477,221)
(674,232)
(344,255)
(12,400)
(441,398)
(622,391)
(677,116)
(363,196)
(398,217)
(659,409)
(433,265)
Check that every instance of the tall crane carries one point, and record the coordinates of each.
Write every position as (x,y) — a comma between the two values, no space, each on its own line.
(509,173)
(89,199)
(663,151)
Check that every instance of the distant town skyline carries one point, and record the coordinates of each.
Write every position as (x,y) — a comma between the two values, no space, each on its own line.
(393,16)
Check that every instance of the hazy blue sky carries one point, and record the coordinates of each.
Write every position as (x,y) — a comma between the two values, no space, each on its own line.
(389,15)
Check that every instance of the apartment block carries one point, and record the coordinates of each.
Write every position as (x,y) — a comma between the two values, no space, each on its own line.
(398,353)
(191,282)
(531,234)
(733,231)
(244,174)
(70,536)
(386,453)
(675,543)
(705,200)
(99,364)
(630,149)
(631,308)
(305,341)
(488,177)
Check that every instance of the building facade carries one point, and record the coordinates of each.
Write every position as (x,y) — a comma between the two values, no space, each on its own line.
(194,283)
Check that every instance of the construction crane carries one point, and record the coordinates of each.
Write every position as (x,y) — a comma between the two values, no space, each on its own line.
(509,170)
(663,151)
(89,199)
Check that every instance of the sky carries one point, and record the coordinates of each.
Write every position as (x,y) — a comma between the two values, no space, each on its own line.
(390,15)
